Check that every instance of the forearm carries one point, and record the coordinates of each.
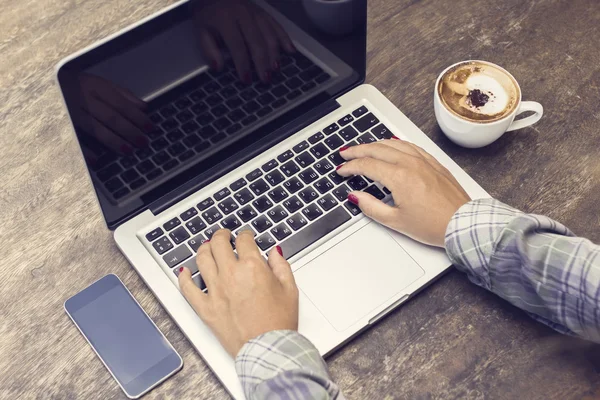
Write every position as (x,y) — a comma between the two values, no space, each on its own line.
(532,261)
(282,365)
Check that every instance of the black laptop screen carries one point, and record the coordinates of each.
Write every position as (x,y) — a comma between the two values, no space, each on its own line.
(172,104)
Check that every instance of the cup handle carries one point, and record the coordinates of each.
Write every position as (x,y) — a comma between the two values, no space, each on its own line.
(532,119)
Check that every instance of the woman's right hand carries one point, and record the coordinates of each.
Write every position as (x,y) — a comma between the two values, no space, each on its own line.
(426,195)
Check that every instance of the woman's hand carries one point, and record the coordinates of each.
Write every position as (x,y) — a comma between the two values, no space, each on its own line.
(426,195)
(247,296)
(251,35)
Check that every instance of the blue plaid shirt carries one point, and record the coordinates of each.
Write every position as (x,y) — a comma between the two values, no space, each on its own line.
(531,261)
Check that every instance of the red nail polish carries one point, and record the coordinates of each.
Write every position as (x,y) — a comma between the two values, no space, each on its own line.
(279,250)
(344,148)
(339,166)
(181,270)
(207,240)
(126,149)
(396,137)
(353,199)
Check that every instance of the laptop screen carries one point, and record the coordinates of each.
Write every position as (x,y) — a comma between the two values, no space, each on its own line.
(186,96)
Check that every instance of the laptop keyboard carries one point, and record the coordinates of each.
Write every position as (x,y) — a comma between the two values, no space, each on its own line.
(216,107)
(292,200)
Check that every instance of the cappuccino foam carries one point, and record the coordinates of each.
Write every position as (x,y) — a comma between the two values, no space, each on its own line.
(478,92)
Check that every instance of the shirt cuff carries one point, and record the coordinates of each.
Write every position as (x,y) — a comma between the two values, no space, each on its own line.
(472,235)
(276,352)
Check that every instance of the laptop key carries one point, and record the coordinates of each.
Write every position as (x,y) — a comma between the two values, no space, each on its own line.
(331,128)
(275,177)
(262,203)
(304,159)
(294,93)
(348,133)
(243,196)
(195,225)
(221,194)
(211,231)
(245,228)
(204,204)
(196,242)
(296,221)
(259,187)
(309,235)
(162,245)
(381,132)
(300,147)
(281,231)
(269,165)
(179,235)
(375,192)
(353,208)
(360,111)
(323,167)
(336,158)
(315,138)
(172,224)
(265,241)
(177,256)
(386,190)
(187,214)
(228,206)
(237,185)
(341,192)
(277,213)
(130,175)
(248,120)
(278,194)
(254,175)
(155,234)
(323,185)
(170,164)
(278,103)
(366,138)
(308,175)
(246,213)
(366,122)
(113,184)
(212,215)
(308,194)
(189,264)
(357,183)
(137,183)
(292,185)
(293,204)
(336,178)
(319,150)
(231,223)
(287,155)
(290,168)
(333,142)
(345,120)
(120,193)
(312,211)
(261,223)
(327,202)
(322,78)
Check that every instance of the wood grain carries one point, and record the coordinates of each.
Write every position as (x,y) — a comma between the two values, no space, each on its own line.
(453,341)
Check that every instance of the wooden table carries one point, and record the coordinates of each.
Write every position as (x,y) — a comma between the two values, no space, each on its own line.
(454,340)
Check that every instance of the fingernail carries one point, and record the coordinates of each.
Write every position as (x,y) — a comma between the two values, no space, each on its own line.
(126,149)
(267,76)
(396,137)
(344,148)
(181,270)
(142,141)
(247,79)
(339,166)
(279,250)
(353,199)
(275,66)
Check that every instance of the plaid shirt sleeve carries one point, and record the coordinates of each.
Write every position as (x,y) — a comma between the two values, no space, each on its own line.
(535,263)
(284,365)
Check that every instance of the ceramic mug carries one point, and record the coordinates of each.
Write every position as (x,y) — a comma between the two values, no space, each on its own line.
(478,134)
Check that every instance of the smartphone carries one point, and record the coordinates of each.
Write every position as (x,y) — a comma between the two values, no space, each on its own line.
(123,336)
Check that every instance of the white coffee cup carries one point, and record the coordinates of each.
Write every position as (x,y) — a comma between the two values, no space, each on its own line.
(478,134)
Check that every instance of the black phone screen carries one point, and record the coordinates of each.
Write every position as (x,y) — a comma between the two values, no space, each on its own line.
(133,349)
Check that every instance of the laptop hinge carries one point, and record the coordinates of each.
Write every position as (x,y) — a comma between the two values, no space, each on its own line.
(238,159)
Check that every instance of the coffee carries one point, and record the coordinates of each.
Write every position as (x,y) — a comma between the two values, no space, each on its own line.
(478,92)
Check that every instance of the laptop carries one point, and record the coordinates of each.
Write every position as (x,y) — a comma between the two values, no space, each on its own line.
(218,152)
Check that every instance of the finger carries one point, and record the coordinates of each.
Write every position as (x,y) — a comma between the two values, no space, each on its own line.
(376,170)
(237,48)
(246,246)
(210,49)
(220,245)
(378,151)
(375,208)
(281,268)
(116,122)
(108,89)
(257,46)
(413,149)
(111,140)
(282,35)
(192,293)
(206,264)
(270,39)
(126,104)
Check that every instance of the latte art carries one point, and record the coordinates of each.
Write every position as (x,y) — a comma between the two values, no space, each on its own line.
(478,92)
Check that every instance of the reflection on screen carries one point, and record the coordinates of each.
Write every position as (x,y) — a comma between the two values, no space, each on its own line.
(121,333)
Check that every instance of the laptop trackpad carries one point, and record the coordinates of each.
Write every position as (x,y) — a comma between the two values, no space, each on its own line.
(360,273)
